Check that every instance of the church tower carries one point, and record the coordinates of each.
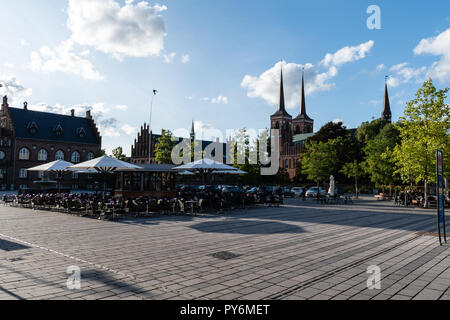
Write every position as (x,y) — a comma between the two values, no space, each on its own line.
(302,123)
(192,131)
(387,114)
(282,120)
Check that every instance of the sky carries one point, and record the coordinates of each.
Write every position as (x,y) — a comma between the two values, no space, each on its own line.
(218,63)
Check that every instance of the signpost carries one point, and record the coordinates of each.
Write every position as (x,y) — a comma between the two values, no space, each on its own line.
(440,196)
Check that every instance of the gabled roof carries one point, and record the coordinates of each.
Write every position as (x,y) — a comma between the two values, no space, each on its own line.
(47,122)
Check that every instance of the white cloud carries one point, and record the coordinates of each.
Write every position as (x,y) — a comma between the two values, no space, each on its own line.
(168,58)
(348,54)
(185,59)
(220,100)
(438,46)
(129,130)
(189,98)
(9,65)
(204,99)
(380,67)
(15,91)
(403,73)
(267,85)
(135,30)
(121,107)
(24,43)
(63,59)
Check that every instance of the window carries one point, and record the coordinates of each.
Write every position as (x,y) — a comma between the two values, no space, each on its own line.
(3,173)
(32,127)
(287,164)
(90,156)
(42,155)
(2,155)
(40,174)
(75,176)
(58,130)
(81,133)
(59,155)
(23,173)
(75,187)
(24,154)
(75,157)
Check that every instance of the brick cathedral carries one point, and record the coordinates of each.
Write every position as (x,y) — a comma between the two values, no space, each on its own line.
(295,131)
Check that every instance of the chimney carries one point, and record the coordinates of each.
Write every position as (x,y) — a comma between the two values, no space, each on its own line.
(5,102)
(25,106)
(72,113)
(88,114)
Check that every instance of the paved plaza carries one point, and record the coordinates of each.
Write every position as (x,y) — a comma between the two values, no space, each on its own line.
(302,250)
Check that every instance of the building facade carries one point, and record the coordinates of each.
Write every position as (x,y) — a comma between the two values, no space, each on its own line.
(31,138)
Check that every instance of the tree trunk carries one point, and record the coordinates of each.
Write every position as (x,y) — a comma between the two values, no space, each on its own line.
(356,187)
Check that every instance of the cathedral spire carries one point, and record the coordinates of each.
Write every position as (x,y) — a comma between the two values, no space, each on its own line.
(303,100)
(193,131)
(281,105)
(303,114)
(387,114)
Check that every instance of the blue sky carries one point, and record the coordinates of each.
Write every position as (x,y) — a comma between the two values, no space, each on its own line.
(217,62)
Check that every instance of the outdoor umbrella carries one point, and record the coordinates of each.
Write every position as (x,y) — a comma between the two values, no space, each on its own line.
(231,172)
(104,165)
(58,167)
(186,173)
(205,166)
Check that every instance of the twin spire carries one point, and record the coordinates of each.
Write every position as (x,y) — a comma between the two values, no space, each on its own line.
(281,104)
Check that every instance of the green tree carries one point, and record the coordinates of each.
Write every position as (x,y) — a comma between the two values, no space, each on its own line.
(330,131)
(118,154)
(369,130)
(378,155)
(163,148)
(353,170)
(323,159)
(424,127)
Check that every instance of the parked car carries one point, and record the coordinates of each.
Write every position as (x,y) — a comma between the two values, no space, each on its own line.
(297,191)
(312,192)
(287,192)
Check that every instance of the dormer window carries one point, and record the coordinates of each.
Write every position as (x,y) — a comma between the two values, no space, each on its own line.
(58,131)
(32,127)
(81,132)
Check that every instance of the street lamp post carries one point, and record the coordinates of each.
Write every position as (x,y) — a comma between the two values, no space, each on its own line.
(150,128)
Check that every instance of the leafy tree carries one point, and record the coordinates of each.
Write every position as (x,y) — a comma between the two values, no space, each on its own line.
(323,159)
(330,131)
(353,170)
(378,155)
(300,177)
(100,153)
(163,148)
(369,130)
(424,127)
(118,154)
